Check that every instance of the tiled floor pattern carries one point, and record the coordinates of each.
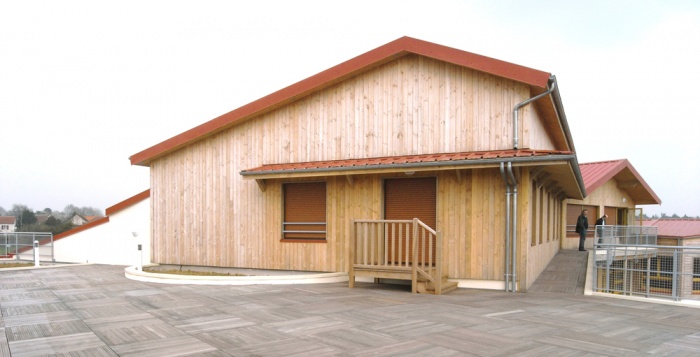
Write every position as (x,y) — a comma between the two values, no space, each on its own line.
(95,311)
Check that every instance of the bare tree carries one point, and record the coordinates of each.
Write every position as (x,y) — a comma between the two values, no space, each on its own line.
(71,210)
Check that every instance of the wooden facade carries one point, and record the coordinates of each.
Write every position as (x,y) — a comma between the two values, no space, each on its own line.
(205,212)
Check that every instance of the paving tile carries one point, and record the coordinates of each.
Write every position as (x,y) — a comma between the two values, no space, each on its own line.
(95,311)
(57,345)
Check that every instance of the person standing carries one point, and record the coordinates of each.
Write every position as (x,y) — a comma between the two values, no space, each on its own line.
(581,229)
(598,226)
(601,220)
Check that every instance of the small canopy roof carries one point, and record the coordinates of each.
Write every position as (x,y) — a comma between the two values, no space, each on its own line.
(595,174)
(556,163)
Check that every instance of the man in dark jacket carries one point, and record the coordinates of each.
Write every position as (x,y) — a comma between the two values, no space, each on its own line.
(581,228)
(601,220)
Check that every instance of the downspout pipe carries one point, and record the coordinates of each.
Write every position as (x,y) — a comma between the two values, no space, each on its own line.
(506,275)
(514,235)
(551,86)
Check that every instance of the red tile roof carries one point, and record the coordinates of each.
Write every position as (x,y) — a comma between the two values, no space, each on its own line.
(402,161)
(676,227)
(381,55)
(8,219)
(595,174)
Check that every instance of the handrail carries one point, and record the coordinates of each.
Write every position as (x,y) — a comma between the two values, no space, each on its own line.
(396,244)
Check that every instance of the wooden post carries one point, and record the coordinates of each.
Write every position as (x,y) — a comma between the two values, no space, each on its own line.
(414,266)
(351,256)
(438,262)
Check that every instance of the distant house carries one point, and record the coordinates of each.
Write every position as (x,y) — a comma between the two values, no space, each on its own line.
(8,224)
(614,188)
(41,218)
(79,220)
(411,129)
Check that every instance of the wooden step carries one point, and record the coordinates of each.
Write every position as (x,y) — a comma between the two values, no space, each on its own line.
(428,287)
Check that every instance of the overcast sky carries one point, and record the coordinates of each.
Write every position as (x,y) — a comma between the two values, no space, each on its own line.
(86,84)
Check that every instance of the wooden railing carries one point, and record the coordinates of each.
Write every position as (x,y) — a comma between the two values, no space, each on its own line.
(394,248)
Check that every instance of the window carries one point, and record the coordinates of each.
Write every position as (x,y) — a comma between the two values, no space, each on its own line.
(304,211)
(662,266)
(5,227)
(540,200)
(696,276)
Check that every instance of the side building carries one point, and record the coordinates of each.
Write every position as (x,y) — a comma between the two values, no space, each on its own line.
(614,188)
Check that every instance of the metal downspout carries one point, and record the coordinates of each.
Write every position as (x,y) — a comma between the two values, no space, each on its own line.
(552,85)
(506,275)
(515,226)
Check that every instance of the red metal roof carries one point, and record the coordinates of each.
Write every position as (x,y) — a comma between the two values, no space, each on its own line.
(676,227)
(402,160)
(595,174)
(352,67)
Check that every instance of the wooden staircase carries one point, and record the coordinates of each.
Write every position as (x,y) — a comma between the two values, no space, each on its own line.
(425,286)
(398,249)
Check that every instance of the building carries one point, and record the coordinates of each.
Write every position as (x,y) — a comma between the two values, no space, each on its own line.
(8,224)
(79,220)
(476,148)
(614,188)
(676,231)
(112,239)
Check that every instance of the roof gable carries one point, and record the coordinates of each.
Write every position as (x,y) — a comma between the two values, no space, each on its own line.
(595,174)
(8,219)
(403,46)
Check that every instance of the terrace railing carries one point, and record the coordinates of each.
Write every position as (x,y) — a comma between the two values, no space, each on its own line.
(626,235)
(20,245)
(629,262)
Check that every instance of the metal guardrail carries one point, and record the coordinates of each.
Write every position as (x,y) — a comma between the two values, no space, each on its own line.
(629,262)
(20,245)
(632,235)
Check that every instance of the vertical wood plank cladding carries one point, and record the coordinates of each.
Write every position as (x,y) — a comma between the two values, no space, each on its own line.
(533,133)
(205,213)
(541,215)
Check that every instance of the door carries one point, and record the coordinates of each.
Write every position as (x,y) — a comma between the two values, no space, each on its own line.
(612,216)
(405,199)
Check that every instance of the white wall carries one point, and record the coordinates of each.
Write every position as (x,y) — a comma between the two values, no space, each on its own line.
(111,242)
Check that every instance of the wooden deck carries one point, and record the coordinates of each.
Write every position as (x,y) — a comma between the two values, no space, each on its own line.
(95,311)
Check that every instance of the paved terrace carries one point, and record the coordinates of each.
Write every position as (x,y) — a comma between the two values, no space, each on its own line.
(94,310)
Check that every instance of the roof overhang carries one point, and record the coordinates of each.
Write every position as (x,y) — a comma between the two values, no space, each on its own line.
(628,179)
(561,166)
